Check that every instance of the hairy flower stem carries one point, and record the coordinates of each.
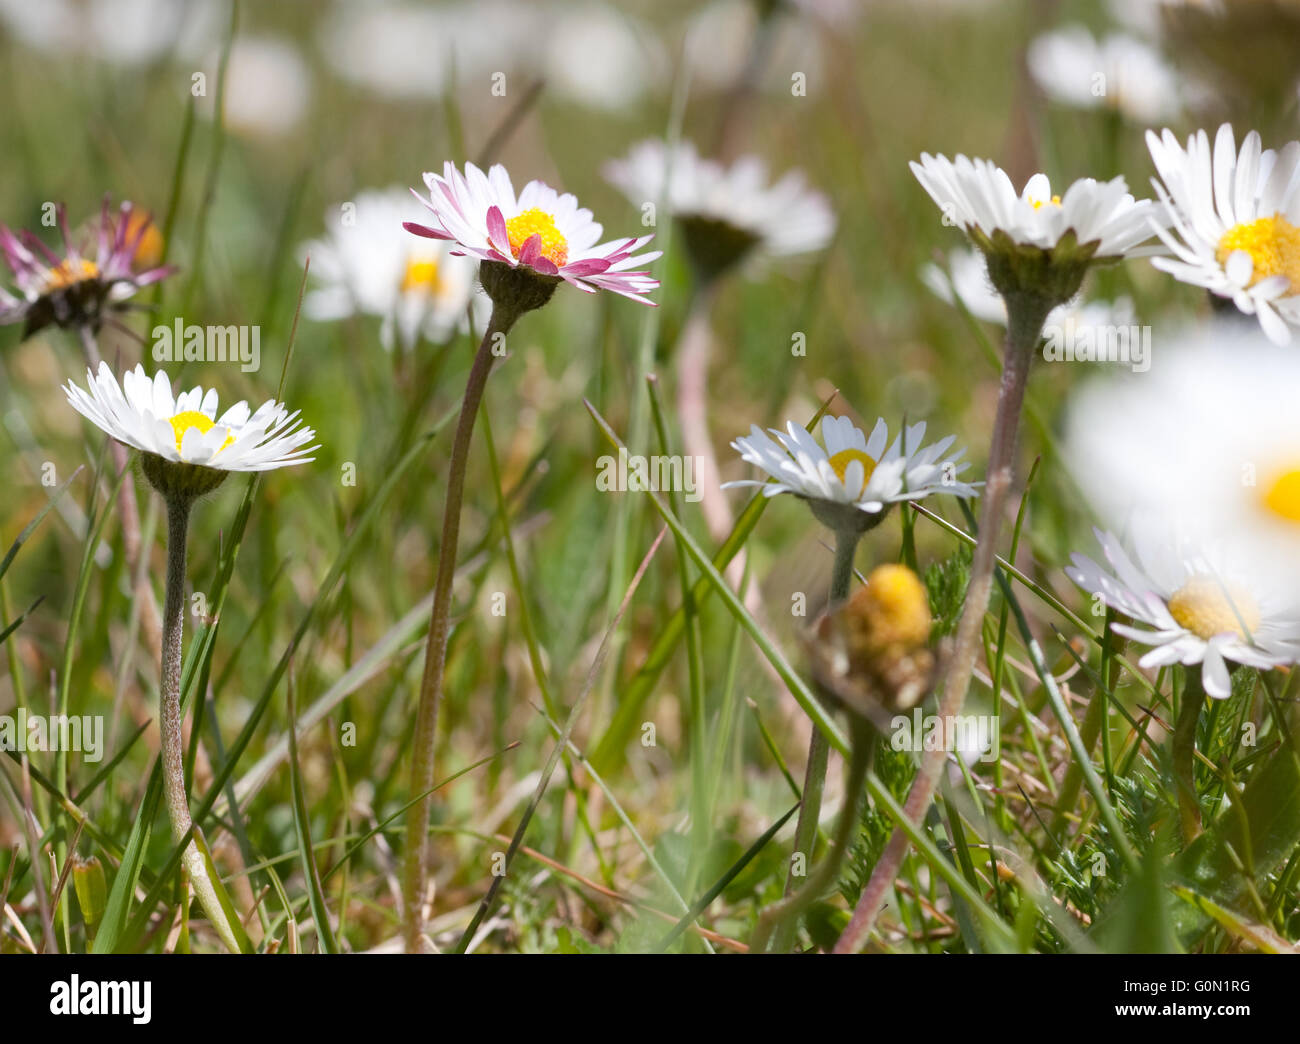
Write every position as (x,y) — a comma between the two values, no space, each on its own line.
(1183,748)
(783,917)
(202,874)
(814,781)
(1026,315)
(128,511)
(414,860)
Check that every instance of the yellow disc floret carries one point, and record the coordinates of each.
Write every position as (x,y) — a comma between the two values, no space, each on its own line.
(1282,495)
(1273,244)
(891,611)
(421,275)
(840,462)
(70,271)
(1037,204)
(535,222)
(183,422)
(1206,607)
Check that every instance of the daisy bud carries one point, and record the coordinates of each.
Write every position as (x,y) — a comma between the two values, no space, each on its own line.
(871,654)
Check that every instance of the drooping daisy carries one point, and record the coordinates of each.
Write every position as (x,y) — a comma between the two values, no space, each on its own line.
(369,264)
(1118,72)
(853,480)
(726,213)
(1237,219)
(187,447)
(540,234)
(1203,607)
(75,287)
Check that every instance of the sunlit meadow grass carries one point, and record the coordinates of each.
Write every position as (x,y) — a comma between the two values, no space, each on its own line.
(330,572)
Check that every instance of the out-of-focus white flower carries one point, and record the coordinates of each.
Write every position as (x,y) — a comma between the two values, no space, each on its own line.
(123,32)
(268,87)
(1118,72)
(408,51)
(727,212)
(1234,219)
(720,40)
(601,58)
(1210,436)
(369,264)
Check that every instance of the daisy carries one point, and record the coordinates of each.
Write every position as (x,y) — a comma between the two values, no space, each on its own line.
(1236,216)
(367,264)
(75,287)
(1101,218)
(726,212)
(853,481)
(540,233)
(1118,72)
(1202,607)
(1211,435)
(187,451)
(187,447)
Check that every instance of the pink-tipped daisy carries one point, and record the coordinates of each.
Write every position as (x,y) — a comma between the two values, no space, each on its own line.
(539,232)
(75,287)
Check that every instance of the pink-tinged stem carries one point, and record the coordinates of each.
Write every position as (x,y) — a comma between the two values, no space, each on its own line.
(1024,327)
(415,858)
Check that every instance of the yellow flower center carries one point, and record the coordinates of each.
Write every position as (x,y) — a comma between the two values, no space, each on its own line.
(183,422)
(1282,496)
(840,462)
(891,612)
(68,272)
(534,222)
(1037,204)
(149,251)
(1273,244)
(1206,607)
(421,275)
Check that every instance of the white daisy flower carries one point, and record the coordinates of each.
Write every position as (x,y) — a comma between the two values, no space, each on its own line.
(268,87)
(1211,435)
(1236,216)
(599,57)
(979,196)
(185,429)
(1118,72)
(854,471)
(1202,607)
(726,212)
(967,278)
(540,231)
(368,264)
